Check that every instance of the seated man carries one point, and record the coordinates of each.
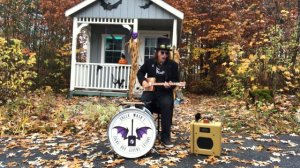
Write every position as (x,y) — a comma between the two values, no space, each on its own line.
(166,71)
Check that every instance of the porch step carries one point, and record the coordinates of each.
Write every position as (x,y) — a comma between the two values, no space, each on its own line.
(96,93)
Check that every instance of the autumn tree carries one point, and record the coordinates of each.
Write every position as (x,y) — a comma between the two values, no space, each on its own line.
(249,43)
(16,69)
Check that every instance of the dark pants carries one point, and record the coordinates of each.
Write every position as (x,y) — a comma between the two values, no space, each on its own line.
(161,102)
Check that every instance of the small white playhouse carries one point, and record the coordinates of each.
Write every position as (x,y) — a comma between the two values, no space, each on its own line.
(110,24)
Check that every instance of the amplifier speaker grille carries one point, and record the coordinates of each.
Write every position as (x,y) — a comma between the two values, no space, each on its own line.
(205,143)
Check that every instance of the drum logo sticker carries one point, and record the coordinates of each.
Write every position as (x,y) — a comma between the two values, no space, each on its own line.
(132,138)
(132,133)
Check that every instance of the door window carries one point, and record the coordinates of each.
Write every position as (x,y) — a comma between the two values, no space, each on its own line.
(150,45)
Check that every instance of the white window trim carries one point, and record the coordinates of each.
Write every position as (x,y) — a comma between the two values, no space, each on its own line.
(149,34)
(102,59)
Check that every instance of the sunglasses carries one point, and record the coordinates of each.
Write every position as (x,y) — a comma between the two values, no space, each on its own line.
(164,52)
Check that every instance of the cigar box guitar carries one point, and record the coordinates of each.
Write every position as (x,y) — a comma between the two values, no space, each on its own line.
(152,82)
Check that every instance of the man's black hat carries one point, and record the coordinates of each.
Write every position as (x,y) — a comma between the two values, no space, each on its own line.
(163,44)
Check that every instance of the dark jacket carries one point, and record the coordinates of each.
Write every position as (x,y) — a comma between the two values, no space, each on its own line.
(149,68)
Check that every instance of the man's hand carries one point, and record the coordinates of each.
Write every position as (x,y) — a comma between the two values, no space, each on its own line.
(145,84)
(167,84)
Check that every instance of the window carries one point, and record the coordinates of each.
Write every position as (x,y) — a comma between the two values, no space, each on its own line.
(150,45)
(113,48)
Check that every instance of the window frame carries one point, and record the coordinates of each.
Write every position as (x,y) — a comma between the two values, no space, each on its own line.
(103,46)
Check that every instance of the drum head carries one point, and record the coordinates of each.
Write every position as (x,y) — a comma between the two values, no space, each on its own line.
(132,132)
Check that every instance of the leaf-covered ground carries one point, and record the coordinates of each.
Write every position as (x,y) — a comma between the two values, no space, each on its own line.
(261,136)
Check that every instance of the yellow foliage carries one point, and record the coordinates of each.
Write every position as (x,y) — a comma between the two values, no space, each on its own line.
(281,68)
(263,57)
(252,57)
(287,74)
(233,51)
(254,87)
(48,89)
(16,69)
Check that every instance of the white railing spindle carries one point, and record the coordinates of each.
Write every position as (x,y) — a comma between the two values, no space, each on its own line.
(91,76)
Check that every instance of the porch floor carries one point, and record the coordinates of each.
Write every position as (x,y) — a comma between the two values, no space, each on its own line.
(101,93)
(96,93)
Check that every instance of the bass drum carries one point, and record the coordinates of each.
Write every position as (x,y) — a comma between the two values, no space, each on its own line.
(132,132)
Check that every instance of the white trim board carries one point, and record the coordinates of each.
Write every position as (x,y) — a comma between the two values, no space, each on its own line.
(160,3)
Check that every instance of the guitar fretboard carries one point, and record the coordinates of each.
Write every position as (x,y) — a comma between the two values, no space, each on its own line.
(162,84)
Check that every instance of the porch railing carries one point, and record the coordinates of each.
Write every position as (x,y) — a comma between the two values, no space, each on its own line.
(113,77)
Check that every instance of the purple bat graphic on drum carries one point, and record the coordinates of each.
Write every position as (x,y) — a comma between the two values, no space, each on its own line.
(139,132)
(123,131)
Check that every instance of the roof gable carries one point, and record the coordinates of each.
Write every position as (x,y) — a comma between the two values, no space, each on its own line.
(160,3)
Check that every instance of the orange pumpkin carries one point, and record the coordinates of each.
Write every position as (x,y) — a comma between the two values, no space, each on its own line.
(122,61)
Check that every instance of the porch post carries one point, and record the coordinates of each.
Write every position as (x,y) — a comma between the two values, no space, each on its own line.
(134,54)
(135,27)
(88,53)
(174,36)
(73,60)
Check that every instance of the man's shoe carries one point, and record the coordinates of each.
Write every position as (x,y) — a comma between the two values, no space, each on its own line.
(167,143)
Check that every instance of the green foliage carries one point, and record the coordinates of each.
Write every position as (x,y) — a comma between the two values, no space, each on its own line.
(262,95)
(99,114)
(16,69)
(235,87)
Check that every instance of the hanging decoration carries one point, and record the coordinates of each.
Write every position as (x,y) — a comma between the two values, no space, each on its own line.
(134,35)
(109,6)
(133,46)
(147,5)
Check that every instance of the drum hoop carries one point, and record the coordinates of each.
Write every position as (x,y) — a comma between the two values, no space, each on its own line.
(123,111)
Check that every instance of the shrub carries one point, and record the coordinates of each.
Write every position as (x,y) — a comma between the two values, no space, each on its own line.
(16,69)
(99,114)
(204,86)
(262,95)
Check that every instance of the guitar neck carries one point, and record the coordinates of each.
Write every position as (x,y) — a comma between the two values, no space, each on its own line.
(162,84)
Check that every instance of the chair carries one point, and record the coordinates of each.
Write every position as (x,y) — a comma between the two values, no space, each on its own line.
(158,120)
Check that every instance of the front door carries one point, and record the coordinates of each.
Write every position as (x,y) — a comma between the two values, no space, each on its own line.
(149,43)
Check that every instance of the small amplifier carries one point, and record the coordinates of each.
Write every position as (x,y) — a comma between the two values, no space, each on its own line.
(206,137)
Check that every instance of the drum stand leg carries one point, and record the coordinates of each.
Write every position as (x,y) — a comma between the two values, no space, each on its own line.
(108,152)
(155,151)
